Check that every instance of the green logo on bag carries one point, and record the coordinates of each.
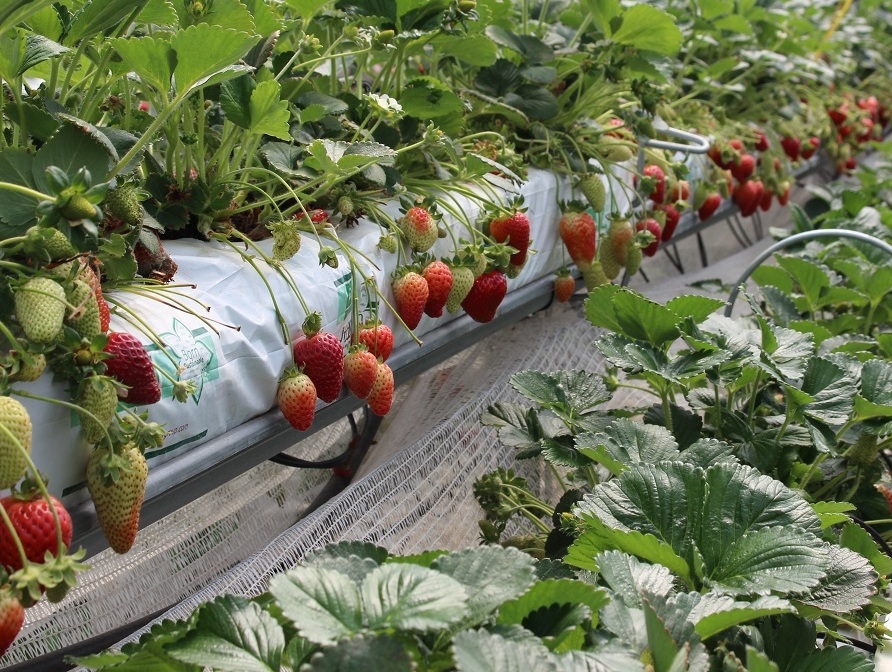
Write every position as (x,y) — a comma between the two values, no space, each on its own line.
(191,356)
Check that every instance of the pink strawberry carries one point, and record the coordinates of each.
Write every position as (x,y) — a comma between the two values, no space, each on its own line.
(419,228)
(654,183)
(513,230)
(12,617)
(378,338)
(710,205)
(130,365)
(579,233)
(360,369)
(321,356)
(410,291)
(564,286)
(673,216)
(485,296)
(439,283)
(380,398)
(652,225)
(296,397)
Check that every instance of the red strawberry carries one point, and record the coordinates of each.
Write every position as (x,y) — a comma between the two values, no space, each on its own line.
(12,617)
(744,168)
(748,195)
(360,369)
(130,365)
(419,229)
(380,398)
(867,132)
(784,195)
(579,234)
(791,147)
(654,227)
(839,114)
(321,356)
(710,205)
(378,338)
(564,286)
(672,218)
(765,202)
(515,231)
(35,527)
(655,186)
(762,143)
(810,146)
(439,283)
(296,397)
(680,191)
(410,291)
(485,296)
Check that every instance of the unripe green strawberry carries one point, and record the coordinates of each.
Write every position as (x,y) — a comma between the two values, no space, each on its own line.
(123,203)
(286,239)
(98,397)
(619,235)
(388,243)
(40,309)
(863,452)
(345,205)
(28,373)
(462,282)
(633,259)
(593,189)
(617,153)
(15,420)
(594,275)
(419,229)
(87,321)
(57,245)
(77,208)
(479,267)
(118,489)
(610,265)
(513,271)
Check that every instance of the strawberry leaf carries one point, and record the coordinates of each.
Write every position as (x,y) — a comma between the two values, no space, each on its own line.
(361,654)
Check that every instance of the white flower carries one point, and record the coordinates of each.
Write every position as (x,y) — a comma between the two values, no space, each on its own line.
(384,105)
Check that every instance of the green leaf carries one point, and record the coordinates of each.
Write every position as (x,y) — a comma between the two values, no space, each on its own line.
(498,79)
(644,320)
(831,659)
(849,584)
(233,635)
(773,276)
(725,613)
(324,605)
(235,99)
(856,538)
(159,12)
(476,50)
(348,549)
(832,513)
(875,397)
(879,284)
(785,353)
(706,452)
(756,661)
(268,113)
(530,47)
(361,654)
(330,104)
(97,16)
(694,306)
(151,58)
(630,579)
(16,166)
(71,148)
(574,391)
(552,592)
(599,307)
(650,29)
(603,12)
(224,14)
(832,389)
(662,646)
(481,651)
(810,277)
(491,575)
(282,157)
(412,598)
(429,98)
(776,559)
(734,24)
(627,442)
(203,51)
(780,306)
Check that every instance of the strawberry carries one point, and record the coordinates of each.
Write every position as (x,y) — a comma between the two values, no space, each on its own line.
(104,310)
(593,189)
(388,243)
(378,339)
(579,233)
(78,207)
(99,398)
(380,398)
(15,420)
(286,238)
(35,527)
(765,202)
(485,296)
(652,225)
(748,196)
(318,218)
(29,372)
(85,320)
(12,617)
(736,144)
(131,366)
(296,397)
(744,168)
(40,309)
(462,282)
(123,203)
(710,205)
(513,230)
(619,235)
(410,291)
(839,114)
(117,485)
(321,356)
(564,286)
(634,258)
(594,276)
(791,147)
(654,183)
(439,283)
(810,146)
(762,143)
(784,194)
(419,229)
(680,191)
(673,216)
(360,369)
